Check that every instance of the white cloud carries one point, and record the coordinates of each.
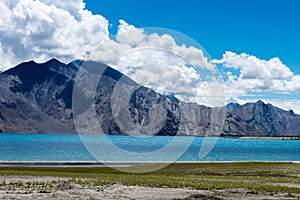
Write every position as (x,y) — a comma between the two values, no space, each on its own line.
(44,29)
(74,7)
(157,61)
(252,67)
(258,75)
(166,72)
(293,84)
(128,34)
(129,38)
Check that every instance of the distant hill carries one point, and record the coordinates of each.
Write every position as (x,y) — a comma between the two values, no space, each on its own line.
(258,119)
(37,98)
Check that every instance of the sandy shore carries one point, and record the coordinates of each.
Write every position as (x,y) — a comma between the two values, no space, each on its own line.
(31,187)
(273,138)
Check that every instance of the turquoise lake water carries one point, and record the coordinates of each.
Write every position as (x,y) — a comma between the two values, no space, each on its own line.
(72,147)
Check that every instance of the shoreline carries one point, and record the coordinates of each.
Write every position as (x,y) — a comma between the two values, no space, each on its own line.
(213,136)
(90,164)
(271,137)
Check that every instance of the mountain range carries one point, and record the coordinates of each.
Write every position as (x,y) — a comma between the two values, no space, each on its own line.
(38,98)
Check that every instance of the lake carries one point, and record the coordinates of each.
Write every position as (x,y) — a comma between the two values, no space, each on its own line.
(74,147)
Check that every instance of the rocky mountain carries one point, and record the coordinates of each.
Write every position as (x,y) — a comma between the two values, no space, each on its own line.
(38,98)
(260,119)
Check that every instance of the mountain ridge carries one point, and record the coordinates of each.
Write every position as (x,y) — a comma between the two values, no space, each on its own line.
(37,98)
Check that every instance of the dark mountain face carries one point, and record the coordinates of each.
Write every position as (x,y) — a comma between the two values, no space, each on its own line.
(232,106)
(260,119)
(37,98)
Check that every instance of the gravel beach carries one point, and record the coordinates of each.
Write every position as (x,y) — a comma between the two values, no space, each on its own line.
(32,187)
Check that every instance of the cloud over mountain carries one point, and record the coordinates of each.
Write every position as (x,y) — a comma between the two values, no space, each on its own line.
(44,29)
(252,74)
(159,62)
(40,30)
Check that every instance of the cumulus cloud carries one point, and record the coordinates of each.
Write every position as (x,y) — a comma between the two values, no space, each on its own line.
(257,74)
(42,29)
(166,73)
(45,29)
(293,85)
(74,7)
(130,35)
(252,67)
(157,61)
(252,74)
(129,38)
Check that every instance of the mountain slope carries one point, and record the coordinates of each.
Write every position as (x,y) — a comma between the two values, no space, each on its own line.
(37,98)
(260,119)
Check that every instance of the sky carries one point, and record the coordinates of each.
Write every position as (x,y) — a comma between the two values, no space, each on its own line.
(255,45)
(266,28)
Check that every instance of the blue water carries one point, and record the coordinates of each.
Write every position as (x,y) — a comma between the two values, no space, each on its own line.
(72,147)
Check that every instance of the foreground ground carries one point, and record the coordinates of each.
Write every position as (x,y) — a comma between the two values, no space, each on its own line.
(177,181)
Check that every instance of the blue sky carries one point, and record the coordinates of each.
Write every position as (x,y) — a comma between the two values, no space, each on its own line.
(256,44)
(265,28)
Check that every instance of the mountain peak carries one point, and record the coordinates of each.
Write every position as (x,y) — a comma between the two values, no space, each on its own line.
(53,61)
(21,68)
(38,98)
(259,102)
(232,106)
